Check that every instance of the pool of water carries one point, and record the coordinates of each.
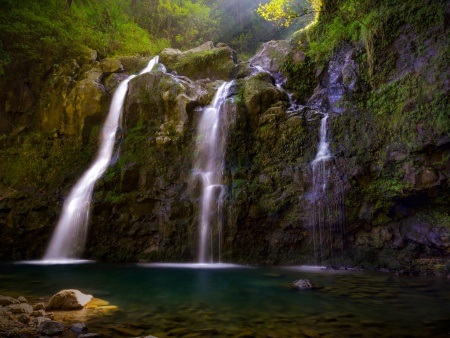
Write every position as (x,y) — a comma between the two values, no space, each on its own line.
(241,301)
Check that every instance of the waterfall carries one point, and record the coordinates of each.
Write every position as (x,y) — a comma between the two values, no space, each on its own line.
(326,212)
(209,166)
(69,237)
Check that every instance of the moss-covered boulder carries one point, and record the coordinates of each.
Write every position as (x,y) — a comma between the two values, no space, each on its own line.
(206,61)
(164,102)
(259,93)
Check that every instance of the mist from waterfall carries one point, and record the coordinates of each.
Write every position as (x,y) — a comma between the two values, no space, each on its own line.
(209,167)
(326,212)
(70,234)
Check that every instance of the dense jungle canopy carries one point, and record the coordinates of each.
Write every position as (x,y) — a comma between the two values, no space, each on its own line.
(53,30)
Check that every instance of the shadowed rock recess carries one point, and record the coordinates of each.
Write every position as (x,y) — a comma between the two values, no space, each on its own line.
(388,132)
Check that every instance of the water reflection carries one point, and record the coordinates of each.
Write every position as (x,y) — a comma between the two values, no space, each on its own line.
(197,300)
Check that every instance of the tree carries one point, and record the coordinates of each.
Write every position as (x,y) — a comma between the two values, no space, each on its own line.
(182,22)
(284,12)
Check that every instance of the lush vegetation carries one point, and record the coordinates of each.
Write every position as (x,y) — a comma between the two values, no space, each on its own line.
(35,31)
(285,12)
(53,30)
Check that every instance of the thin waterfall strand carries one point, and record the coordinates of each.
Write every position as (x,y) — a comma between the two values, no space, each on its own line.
(327,206)
(69,237)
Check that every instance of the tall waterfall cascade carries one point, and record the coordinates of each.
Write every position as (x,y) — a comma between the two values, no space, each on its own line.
(208,166)
(326,213)
(70,234)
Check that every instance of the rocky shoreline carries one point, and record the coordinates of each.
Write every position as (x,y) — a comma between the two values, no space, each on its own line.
(20,317)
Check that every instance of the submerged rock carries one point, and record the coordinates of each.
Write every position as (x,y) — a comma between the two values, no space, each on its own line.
(78,327)
(68,300)
(303,284)
(51,328)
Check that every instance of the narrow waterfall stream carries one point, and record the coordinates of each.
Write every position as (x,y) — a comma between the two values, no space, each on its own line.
(69,238)
(326,198)
(209,166)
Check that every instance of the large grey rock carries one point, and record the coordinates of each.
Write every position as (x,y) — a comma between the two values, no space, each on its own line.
(272,55)
(68,300)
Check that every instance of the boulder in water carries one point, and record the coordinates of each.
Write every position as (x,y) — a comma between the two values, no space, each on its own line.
(51,328)
(68,300)
(78,327)
(303,284)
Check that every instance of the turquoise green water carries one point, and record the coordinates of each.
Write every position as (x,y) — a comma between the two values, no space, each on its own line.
(185,301)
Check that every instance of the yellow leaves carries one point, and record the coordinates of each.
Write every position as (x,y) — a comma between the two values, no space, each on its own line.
(284,12)
(278,11)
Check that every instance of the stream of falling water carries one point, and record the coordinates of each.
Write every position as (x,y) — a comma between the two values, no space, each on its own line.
(327,202)
(209,166)
(69,238)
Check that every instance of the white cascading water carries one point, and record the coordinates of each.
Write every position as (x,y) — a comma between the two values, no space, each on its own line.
(70,234)
(326,212)
(209,166)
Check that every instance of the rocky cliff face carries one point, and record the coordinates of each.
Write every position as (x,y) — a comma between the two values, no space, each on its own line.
(390,164)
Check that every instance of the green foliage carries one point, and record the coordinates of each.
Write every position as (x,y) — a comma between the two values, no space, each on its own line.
(409,103)
(301,77)
(183,23)
(438,218)
(48,30)
(388,188)
(112,197)
(283,12)
(52,30)
(360,22)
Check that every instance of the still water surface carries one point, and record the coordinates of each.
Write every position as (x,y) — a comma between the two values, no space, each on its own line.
(227,300)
